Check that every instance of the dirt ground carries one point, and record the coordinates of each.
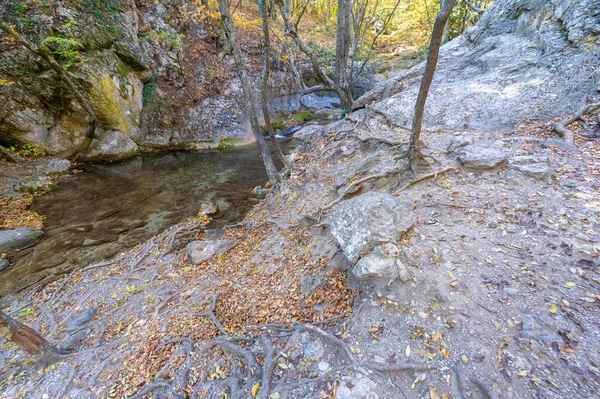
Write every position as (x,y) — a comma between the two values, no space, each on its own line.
(502,299)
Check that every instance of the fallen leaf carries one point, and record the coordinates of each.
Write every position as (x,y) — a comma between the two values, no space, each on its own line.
(255,389)
(553,309)
(433,394)
(570,284)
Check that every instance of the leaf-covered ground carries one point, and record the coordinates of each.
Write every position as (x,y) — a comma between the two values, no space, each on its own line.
(502,300)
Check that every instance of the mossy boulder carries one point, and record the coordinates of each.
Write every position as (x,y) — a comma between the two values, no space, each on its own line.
(14,240)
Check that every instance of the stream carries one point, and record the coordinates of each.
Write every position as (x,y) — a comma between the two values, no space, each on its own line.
(107,208)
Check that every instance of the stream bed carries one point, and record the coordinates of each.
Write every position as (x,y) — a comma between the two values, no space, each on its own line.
(107,208)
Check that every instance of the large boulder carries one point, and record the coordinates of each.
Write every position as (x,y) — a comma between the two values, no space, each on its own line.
(523,61)
(111,146)
(17,239)
(367,221)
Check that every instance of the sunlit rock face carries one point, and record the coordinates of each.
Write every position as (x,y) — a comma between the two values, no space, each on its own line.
(524,61)
(148,84)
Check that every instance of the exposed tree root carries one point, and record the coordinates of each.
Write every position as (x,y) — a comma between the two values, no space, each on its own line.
(427,176)
(561,126)
(481,385)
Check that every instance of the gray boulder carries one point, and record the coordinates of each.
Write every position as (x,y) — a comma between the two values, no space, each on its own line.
(35,184)
(503,72)
(57,165)
(364,222)
(111,146)
(481,158)
(357,387)
(17,239)
(532,166)
(379,264)
(201,251)
(3,264)
(308,132)
(82,318)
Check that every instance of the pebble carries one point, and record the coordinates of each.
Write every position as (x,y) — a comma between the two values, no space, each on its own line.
(510,291)
(423,315)
(323,367)
(3,264)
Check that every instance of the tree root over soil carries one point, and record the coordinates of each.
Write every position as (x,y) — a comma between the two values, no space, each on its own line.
(561,126)
(253,376)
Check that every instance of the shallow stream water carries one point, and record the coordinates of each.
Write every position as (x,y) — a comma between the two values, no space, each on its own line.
(107,208)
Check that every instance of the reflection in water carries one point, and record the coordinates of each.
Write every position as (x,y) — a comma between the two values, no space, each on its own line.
(111,207)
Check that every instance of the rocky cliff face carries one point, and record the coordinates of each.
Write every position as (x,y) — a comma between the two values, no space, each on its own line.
(150,69)
(525,60)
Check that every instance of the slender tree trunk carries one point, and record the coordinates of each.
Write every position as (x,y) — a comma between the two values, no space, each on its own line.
(430,66)
(26,338)
(249,100)
(46,54)
(266,57)
(342,52)
(445,32)
(328,84)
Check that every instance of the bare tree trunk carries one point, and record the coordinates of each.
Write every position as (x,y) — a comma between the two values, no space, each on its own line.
(414,154)
(46,55)
(26,338)
(266,57)
(342,52)
(328,84)
(249,100)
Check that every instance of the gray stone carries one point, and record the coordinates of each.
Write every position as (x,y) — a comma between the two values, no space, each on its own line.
(3,264)
(379,264)
(112,145)
(82,318)
(532,166)
(17,239)
(314,350)
(201,251)
(458,142)
(308,132)
(540,328)
(89,242)
(57,165)
(35,184)
(481,158)
(369,220)
(357,387)
(73,341)
(510,291)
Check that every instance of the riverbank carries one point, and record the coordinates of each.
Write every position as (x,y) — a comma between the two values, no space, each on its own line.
(487,285)
(98,210)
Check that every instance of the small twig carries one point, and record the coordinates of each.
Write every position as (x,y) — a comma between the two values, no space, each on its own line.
(427,176)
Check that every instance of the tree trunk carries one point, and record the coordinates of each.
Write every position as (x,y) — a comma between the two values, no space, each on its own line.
(342,51)
(328,84)
(266,57)
(430,66)
(26,338)
(46,55)
(249,100)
